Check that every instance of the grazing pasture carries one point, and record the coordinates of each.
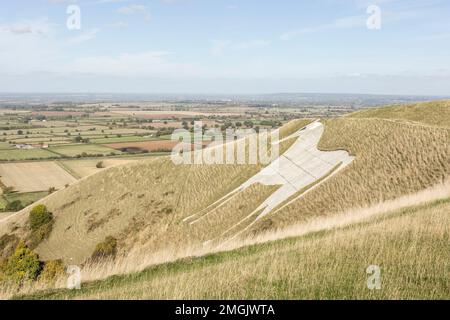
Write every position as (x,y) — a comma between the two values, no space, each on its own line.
(78,149)
(32,154)
(113,139)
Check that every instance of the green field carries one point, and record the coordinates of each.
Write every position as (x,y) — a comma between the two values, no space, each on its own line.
(32,154)
(3,203)
(5,146)
(122,139)
(77,149)
(26,198)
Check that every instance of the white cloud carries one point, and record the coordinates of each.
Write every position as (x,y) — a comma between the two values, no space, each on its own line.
(83,37)
(27,46)
(136,9)
(219,46)
(118,24)
(342,23)
(253,44)
(150,64)
(37,27)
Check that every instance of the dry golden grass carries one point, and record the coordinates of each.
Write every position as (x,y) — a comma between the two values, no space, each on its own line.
(143,204)
(410,245)
(34,176)
(84,168)
(434,113)
(392,159)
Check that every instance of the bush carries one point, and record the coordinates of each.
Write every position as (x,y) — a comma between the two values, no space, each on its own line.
(16,205)
(23,265)
(8,190)
(99,165)
(52,270)
(39,216)
(39,235)
(105,249)
(8,243)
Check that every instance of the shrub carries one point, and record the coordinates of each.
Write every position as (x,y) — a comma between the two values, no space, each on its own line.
(8,190)
(23,265)
(8,243)
(39,216)
(52,270)
(105,249)
(16,205)
(99,165)
(39,235)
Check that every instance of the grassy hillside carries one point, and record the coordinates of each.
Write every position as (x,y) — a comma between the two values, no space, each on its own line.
(399,151)
(409,245)
(434,113)
(143,205)
(392,159)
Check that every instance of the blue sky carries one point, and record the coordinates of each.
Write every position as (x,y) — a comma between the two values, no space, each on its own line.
(225,46)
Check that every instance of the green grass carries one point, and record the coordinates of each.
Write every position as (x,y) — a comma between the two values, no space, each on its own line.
(3,203)
(78,149)
(26,198)
(5,146)
(122,139)
(16,154)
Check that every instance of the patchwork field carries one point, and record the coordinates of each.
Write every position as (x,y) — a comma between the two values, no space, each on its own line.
(79,149)
(97,140)
(34,176)
(150,146)
(33,154)
(169,114)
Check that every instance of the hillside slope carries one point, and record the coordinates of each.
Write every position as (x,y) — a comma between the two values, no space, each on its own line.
(150,208)
(391,159)
(409,245)
(143,204)
(434,113)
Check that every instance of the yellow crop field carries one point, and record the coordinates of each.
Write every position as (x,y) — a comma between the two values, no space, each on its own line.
(34,176)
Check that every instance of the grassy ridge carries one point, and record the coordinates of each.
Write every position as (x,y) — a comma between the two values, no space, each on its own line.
(435,113)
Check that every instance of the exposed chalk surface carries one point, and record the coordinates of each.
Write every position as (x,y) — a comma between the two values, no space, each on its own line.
(302,165)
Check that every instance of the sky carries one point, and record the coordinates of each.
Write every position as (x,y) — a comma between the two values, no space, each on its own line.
(226,46)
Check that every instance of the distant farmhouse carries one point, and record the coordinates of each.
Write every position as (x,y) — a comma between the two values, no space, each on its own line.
(24,146)
(29,146)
